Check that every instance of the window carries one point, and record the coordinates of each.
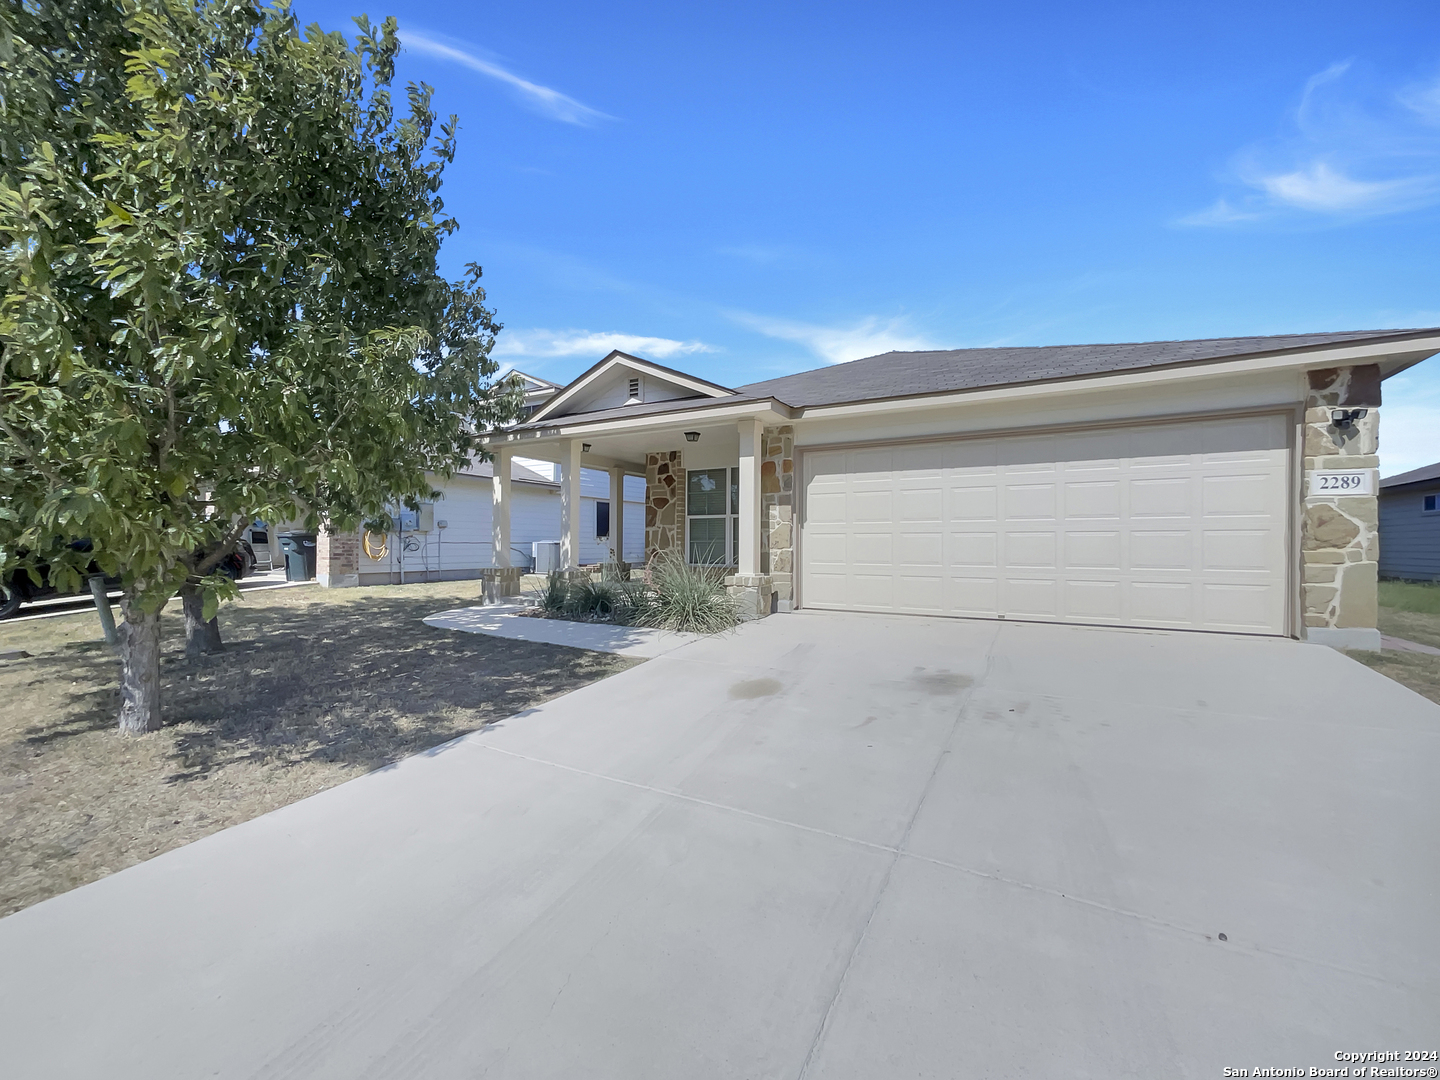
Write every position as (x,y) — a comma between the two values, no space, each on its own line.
(1430,506)
(712,516)
(602,519)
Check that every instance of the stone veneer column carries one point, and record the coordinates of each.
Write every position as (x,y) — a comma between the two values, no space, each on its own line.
(777,495)
(1340,543)
(664,503)
(337,559)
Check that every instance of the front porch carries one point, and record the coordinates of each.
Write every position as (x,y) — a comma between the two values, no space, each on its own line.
(718,494)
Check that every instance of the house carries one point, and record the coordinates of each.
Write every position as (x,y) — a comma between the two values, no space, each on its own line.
(1223,485)
(1410,525)
(452,538)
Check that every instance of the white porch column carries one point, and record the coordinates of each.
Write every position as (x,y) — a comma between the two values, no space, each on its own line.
(752,454)
(500,508)
(617,512)
(570,505)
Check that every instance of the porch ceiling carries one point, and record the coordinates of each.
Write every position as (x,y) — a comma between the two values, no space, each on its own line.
(629,448)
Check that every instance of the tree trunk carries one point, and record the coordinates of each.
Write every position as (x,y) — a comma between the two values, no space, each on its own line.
(201,635)
(139,669)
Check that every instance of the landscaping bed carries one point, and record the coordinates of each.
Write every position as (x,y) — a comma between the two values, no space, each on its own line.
(316,687)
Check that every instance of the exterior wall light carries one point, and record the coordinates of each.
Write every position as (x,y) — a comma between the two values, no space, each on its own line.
(692,436)
(584,447)
(1344,418)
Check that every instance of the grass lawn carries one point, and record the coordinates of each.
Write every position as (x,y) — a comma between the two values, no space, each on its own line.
(317,686)
(1411,612)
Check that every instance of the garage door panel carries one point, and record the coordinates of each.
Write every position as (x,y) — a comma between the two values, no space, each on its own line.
(1092,499)
(920,549)
(1023,454)
(874,591)
(826,508)
(974,503)
(1032,596)
(870,549)
(1244,439)
(872,506)
(971,458)
(1162,497)
(975,596)
(1093,551)
(1237,607)
(920,593)
(919,504)
(1160,603)
(1243,495)
(1030,549)
(1155,550)
(919,462)
(1235,549)
(1030,502)
(973,549)
(1093,600)
(1165,525)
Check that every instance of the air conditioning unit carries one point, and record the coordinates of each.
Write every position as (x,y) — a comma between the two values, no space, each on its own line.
(546,555)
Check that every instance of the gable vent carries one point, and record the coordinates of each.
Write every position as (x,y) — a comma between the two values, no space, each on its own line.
(635,389)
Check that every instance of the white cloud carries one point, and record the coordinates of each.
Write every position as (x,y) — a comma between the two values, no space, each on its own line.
(1346,155)
(552,343)
(551,102)
(837,344)
(1221,213)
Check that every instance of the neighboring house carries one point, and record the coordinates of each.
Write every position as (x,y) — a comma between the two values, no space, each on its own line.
(1225,485)
(1410,525)
(452,538)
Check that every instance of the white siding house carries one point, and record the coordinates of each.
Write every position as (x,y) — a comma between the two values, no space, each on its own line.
(451,538)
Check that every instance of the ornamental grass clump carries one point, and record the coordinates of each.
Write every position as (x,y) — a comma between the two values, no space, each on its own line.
(604,601)
(554,594)
(692,599)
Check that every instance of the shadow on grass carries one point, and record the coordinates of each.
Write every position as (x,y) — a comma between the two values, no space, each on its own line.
(360,683)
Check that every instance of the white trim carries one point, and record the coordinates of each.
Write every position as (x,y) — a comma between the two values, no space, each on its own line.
(690,382)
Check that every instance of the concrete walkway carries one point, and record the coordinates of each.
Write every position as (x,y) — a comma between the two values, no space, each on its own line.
(505,620)
(825,846)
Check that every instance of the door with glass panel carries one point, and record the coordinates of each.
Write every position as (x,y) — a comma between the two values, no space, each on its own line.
(712,516)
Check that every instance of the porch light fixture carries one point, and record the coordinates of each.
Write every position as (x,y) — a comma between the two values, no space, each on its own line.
(692,436)
(1344,418)
(584,447)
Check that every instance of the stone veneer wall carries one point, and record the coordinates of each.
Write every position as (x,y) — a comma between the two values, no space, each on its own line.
(337,559)
(777,505)
(1340,543)
(664,503)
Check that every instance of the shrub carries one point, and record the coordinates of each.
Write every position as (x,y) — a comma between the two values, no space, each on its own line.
(605,600)
(553,595)
(682,597)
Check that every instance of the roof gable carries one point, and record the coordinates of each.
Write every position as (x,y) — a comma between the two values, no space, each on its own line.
(621,379)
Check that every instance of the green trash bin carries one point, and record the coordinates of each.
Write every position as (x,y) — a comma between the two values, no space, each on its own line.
(299,549)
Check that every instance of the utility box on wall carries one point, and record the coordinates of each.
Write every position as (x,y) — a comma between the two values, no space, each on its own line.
(422,520)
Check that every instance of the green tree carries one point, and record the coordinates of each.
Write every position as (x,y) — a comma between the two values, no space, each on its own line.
(221,299)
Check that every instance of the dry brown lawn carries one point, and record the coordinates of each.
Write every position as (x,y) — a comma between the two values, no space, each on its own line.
(316,687)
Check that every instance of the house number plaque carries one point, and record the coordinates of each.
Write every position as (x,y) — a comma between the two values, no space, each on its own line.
(1345,482)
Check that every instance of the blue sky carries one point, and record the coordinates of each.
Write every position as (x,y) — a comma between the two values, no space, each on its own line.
(750,190)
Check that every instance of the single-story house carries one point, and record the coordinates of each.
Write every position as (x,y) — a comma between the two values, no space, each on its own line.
(1410,525)
(1224,485)
(453,537)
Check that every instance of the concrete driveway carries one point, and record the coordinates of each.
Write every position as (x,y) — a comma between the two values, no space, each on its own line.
(826,846)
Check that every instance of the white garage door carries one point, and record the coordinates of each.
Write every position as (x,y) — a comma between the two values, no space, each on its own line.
(1169,525)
